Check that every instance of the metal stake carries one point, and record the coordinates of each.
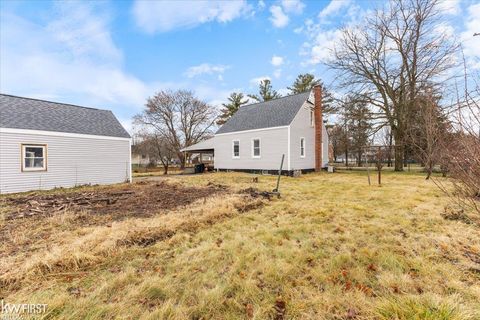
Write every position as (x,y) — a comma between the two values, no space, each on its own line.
(279,174)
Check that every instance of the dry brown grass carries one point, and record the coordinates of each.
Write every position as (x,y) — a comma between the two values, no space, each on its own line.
(331,248)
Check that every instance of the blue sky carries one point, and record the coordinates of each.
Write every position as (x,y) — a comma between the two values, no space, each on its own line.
(114,54)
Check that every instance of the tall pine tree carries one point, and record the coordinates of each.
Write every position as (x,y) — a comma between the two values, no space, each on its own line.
(265,92)
(235,101)
(305,82)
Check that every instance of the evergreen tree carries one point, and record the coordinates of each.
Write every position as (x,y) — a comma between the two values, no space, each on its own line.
(229,109)
(359,126)
(306,82)
(265,92)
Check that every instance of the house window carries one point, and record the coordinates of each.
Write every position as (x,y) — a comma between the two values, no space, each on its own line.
(256,148)
(236,148)
(34,157)
(302,147)
(312,118)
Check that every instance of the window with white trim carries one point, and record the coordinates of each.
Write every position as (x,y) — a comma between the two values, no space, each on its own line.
(302,147)
(34,157)
(256,148)
(312,118)
(236,148)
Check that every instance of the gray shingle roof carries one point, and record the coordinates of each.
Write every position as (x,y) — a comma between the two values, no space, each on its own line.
(272,113)
(25,113)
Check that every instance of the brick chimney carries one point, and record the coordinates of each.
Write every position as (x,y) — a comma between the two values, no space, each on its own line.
(318,114)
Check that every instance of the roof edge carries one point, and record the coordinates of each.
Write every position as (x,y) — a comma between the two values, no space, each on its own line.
(288,96)
(55,102)
(62,134)
(252,130)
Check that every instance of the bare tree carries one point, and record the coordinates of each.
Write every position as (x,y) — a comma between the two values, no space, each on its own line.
(391,57)
(386,138)
(157,148)
(462,148)
(428,131)
(335,134)
(178,118)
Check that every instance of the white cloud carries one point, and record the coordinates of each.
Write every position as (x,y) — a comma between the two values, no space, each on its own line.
(83,31)
(256,81)
(163,16)
(277,73)
(284,92)
(279,19)
(450,6)
(324,42)
(205,68)
(293,6)
(470,43)
(333,7)
(261,4)
(323,33)
(276,61)
(72,56)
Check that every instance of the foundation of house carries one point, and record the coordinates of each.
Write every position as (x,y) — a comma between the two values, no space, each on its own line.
(289,173)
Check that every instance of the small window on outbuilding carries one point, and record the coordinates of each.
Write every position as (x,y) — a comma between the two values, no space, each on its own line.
(256,148)
(236,149)
(34,157)
(302,147)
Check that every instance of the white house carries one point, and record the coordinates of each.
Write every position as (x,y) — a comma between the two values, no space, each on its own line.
(45,144)
(257,135)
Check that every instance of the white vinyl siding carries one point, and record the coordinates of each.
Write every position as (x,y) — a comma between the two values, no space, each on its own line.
(70,161)
(256,148)
(301,128)
(273,143)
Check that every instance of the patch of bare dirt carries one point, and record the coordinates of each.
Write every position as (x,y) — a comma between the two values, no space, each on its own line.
(255,193)
(139,199)
(27,217)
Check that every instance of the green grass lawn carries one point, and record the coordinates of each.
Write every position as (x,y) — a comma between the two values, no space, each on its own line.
(332,247)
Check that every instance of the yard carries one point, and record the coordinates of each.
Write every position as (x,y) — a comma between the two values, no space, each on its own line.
(212,247)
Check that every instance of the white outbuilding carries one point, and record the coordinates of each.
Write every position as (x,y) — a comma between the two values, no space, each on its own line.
(45,145)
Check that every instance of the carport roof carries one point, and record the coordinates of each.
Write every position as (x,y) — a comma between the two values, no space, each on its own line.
(202,146)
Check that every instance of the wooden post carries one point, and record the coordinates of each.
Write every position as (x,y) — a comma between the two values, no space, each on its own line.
(379,166)
(368,168)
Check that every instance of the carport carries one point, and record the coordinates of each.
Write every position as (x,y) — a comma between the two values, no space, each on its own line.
(205,147)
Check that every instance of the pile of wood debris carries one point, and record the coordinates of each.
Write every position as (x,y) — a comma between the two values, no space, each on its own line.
(137,199)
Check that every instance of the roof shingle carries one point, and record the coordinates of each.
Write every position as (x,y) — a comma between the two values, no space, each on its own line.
(26,113)
(267,114)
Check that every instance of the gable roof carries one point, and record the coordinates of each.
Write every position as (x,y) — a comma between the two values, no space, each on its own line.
(267,114)
(33,114)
